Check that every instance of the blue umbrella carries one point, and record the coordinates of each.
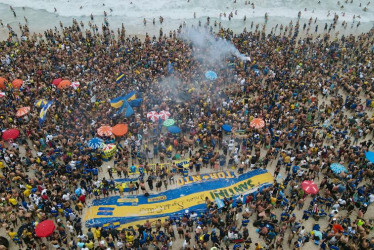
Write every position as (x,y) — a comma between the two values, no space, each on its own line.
(95,143)
(211,75)
(337,168)
(174,129)
(370,156)
(226,127)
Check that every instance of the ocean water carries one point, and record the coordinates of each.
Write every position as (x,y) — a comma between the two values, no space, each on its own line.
(41,14)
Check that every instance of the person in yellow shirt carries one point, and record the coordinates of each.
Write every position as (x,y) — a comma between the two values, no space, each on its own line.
(287,159)
(12,233)
(90,245)
(13,201)
(97,233)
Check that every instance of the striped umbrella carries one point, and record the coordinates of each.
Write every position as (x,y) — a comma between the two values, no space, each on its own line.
(2,94)
(75,85)
(152,115)
(309,187)
(337,168)
(164,114)
(168,122)
(23,111)
(95,143)
(257,123)
(104,131)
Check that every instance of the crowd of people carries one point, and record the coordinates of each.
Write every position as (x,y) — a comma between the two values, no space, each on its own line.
(315,96)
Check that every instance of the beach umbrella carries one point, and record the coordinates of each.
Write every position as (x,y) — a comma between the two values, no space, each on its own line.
(257,123)
(337,168)
(309,187)
(174,129)
(10,134)
(168,122)
(75,85)
(40,103)
(152,115)
(2,94)
(45,228)
(104,131)
(164,114)
(95,143)
(57,81)
(211,75)
(3,82)
(17,83)
(64,84)
(337,228)
(226,127)
(370,156)
(109,150)
(23,111)
(120,129)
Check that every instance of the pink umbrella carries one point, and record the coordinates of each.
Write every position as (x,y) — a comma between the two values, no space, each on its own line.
(164,115)
(309,187)
(2,94)
(153,116)
(57,81)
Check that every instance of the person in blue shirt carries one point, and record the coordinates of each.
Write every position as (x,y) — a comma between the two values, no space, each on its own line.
(245,223)
(236,246)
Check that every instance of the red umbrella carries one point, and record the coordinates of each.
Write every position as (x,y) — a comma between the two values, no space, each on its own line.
(309,187)
(10,134)
(45,228)
(57,81)
(337,228)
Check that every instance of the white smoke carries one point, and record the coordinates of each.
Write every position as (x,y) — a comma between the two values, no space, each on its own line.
(209,48)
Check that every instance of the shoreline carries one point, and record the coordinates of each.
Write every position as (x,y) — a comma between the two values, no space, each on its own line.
(38,21)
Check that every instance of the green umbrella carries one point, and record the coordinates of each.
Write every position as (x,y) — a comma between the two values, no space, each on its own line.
(168,122)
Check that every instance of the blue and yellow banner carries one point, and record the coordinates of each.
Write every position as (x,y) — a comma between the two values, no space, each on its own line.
(131,210)
(43,112)
(120,77)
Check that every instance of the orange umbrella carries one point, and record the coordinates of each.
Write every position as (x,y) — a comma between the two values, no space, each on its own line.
(64,84)
(120,129)
(105,131)
(257,123)
(22,111)
(17,84)
(2,83)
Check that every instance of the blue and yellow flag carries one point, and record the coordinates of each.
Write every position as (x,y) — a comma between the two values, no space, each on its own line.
(40,103)
(126,102)
(43,112)
(117,102)
(131,96)
(120,77)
